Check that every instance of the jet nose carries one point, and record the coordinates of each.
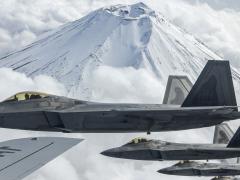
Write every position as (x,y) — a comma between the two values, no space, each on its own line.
(177,171)
(164,171)
(111,153)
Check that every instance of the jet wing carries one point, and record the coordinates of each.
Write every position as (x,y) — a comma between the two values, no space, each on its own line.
(21,157)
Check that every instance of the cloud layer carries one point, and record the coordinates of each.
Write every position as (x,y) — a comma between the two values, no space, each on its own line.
(134,85)
(218,29)
(13,82)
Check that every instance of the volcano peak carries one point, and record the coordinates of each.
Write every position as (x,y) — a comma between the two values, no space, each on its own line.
(130,11)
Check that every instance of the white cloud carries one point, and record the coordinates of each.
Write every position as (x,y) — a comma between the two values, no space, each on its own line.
(13,82)
(218,29)
(58,169)
(23,20)
(219,4)
(134,85)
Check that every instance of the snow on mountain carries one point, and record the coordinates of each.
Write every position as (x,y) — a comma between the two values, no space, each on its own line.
(118,37)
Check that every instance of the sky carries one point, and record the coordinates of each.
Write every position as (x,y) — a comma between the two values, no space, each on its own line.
(215,22)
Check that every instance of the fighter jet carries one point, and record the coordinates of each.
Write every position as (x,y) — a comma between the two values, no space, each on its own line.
(145,149)
(21,157)
(224,178)
(202,169)
(210,101)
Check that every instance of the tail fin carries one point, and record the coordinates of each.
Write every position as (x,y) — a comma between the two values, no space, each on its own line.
(214,87)
(235,141)
(177,89)
(222,134)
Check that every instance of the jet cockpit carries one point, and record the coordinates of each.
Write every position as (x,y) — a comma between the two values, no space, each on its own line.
(26,95)
(138,140)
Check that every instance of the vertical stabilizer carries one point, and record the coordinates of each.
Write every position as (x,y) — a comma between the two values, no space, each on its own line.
(222,134)
(177,90)
(235,141)
(214,87)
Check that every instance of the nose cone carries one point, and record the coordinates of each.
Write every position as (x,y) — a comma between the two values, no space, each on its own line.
(179,171)
(132,153)
(165,171)
(114,152)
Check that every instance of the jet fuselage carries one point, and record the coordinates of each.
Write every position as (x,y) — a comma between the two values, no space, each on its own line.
(54,113)
(202,169)
(156,150)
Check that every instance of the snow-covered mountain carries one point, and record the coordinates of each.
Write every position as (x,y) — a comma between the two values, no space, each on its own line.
(118,36)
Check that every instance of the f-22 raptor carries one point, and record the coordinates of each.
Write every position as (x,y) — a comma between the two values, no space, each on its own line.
(192,168)
(211,101)
(157,150)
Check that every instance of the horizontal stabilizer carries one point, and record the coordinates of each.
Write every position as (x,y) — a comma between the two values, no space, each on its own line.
(214,87)
(21,157)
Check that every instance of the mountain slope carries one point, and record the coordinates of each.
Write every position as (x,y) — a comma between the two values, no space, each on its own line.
(119,37)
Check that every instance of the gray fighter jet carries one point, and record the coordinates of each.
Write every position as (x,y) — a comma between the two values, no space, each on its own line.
(224,178)
(211,101)
(144,149)
(21,157)
(202,169)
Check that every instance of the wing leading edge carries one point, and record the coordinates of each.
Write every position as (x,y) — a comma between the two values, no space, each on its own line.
(21,157)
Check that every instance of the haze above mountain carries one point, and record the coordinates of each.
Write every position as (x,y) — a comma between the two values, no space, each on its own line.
(220,4)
